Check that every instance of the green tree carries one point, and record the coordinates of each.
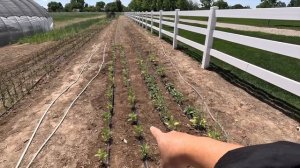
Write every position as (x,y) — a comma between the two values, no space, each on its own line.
(55,7)
(100,6)
(77,4)
(68,7)
(270,4)
(146,5)
(167,5)
(221,4)
(280,4)
(182,4)
(111,7)
(153,5)
(294,3)
(207,3)
(119,6)
(159,4)
(237,6)
(193,5)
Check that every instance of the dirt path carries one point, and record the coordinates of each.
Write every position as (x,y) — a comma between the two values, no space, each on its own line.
(246,119)
(76,141)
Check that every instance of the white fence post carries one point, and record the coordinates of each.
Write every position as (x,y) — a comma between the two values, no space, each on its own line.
(140,19)
(175,28)
(209,37)
(160,23)
(145,20)
(151,21)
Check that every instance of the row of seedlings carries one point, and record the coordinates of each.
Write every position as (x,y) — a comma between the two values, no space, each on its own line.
(157,96)
(195,115)
(17,81)
(133,116)
(106,134)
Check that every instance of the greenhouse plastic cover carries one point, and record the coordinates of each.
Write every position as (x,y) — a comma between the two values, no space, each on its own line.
(20,18)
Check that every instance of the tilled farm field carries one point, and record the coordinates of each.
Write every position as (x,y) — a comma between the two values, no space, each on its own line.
(105,96)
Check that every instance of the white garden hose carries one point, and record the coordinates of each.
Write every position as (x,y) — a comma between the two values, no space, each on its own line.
(68,109)
(51,104)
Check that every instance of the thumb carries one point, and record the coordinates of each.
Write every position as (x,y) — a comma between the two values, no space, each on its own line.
(156,132)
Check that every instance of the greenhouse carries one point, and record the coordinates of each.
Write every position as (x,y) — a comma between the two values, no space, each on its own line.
(20,18)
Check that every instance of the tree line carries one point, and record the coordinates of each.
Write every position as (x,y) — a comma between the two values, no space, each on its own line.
(155,5)
(81,6)
(169,5)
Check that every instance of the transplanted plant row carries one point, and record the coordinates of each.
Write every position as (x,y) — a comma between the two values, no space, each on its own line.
(138,81)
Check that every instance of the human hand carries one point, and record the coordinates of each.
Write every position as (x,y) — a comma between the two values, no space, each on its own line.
(180,150)
(172,147)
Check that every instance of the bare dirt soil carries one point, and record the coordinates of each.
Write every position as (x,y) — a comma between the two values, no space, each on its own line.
(246,119)
(16,53)
(76,141)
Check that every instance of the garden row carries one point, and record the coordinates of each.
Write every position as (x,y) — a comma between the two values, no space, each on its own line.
(17,81)
(195,113)
(140,95)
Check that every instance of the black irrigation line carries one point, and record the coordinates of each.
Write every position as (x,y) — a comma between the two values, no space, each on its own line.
(112,86)
(225,134)
(166,117)
(124,63)
(164,79)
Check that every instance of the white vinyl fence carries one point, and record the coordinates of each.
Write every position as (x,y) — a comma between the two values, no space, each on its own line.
(173,17)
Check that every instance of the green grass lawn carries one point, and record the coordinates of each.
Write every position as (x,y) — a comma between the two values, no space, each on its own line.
(62,33)
(63,16)
(286,66)
(285,24)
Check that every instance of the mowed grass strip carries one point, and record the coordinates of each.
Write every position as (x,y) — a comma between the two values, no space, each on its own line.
(281,24)
(62,33)
(283,65)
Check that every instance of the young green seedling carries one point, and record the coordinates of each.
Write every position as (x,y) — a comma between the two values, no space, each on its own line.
(106,134)
(172,124)
(139,132)
(198,122)
(110,106)
(133,118)
(131,98)
(175,93)
(190,111)
(106,117)
(145,151)
(161,72)
(102,155)
(214,134)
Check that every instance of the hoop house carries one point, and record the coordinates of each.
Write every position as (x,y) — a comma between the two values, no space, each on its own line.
(20,18)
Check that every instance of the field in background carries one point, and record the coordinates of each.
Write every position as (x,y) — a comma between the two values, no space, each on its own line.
(64,16)
(69,24)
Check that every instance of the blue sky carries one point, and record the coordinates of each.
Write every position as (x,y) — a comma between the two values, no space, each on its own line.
(251,3)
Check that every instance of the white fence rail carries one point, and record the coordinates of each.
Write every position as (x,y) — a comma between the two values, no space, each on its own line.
(172,19)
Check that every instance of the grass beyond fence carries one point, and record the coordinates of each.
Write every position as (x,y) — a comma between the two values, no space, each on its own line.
(61,33)
(285,66)
(283,24)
